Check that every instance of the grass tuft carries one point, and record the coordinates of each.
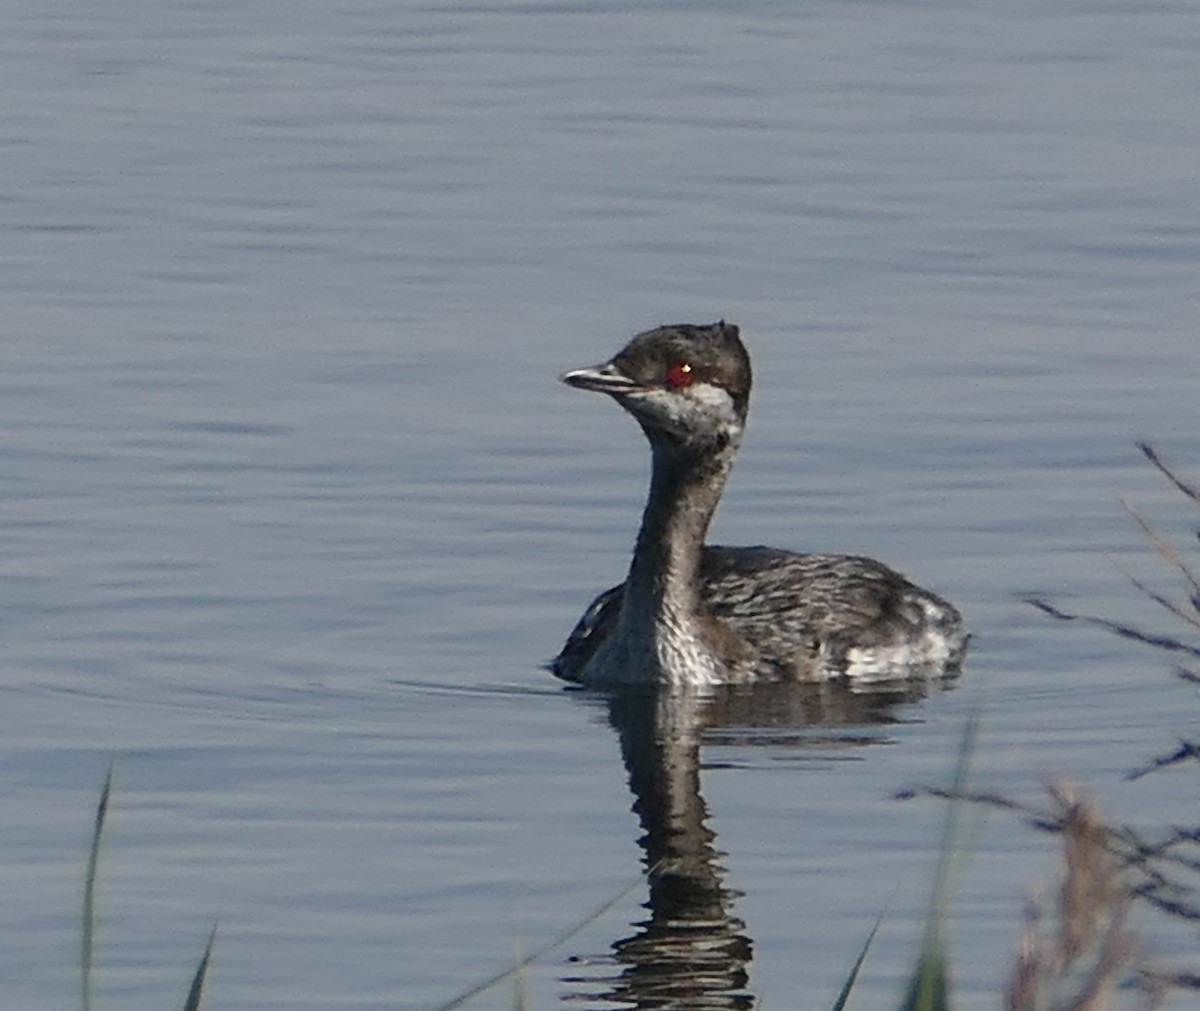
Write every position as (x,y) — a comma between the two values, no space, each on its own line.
(87,944)
(848,987)
(88,931)
(196,991)
(929,987)
(545,949)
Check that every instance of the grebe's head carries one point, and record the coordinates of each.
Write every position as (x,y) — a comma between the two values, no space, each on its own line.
(688,386)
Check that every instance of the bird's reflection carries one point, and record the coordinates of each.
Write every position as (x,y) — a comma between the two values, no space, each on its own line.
(692,951)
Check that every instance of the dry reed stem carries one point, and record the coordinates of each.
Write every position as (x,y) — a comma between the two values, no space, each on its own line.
(1075,957)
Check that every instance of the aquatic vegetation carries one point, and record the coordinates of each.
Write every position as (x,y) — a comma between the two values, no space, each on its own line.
(88,920)
(1077,950)
(1164,865)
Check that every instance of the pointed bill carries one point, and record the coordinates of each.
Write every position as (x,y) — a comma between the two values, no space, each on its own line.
(606,378)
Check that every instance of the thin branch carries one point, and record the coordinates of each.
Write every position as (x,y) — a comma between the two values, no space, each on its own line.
(1151,454)
(1117,628)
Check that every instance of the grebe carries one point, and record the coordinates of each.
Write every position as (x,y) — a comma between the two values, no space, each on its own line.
(690,614)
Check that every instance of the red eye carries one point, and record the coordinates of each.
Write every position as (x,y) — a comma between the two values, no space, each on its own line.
(680,375)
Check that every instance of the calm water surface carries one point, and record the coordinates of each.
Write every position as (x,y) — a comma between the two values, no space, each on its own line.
(293,505)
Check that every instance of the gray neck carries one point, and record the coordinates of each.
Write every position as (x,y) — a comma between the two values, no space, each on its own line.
(663,578)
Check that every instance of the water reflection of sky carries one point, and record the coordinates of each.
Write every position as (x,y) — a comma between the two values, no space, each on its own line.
(293,504)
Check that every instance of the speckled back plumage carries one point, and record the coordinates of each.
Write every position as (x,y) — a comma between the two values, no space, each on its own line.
(809,617)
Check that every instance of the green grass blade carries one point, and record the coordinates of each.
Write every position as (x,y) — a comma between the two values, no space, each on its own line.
(520,989)
(844,996)
(939,898)
(196,993)
(546,948)
(88,927)
(929,987)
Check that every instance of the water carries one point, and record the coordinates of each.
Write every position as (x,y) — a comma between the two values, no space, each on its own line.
(293,505)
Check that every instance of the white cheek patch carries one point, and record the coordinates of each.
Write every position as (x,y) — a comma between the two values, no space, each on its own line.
(705,401)
(695,407)
(715,399)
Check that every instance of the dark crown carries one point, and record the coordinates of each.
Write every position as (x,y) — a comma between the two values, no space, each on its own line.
(715,354)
